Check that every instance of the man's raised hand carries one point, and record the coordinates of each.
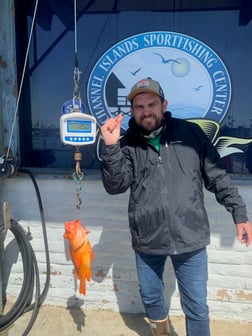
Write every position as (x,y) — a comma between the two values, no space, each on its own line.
(111,130)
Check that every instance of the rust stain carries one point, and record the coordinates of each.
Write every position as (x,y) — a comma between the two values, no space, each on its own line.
(100,273)
(105,301)
(15,90)
(116,289)
(13,9)
(56,273)
(222,295)
(245,296)
(116,276)
(53,273)
(3,63)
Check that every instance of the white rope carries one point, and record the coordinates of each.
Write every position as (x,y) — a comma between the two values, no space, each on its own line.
(22,79)
(77,72)
(75,27)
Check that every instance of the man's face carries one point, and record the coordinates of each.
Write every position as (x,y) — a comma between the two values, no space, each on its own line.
(148,110)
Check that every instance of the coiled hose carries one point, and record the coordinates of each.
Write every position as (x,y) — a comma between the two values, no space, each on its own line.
(31,279)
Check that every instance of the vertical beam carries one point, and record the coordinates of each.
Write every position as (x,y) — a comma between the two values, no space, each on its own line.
(8,79)
(8,99)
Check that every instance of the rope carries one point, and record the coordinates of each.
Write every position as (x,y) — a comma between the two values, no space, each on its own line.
(75,28)
(77,72)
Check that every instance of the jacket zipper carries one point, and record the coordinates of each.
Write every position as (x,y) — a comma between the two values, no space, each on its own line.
(172,230)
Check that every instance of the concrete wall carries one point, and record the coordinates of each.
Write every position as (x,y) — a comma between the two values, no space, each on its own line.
(114,283)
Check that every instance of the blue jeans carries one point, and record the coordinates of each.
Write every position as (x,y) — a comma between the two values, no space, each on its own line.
(191,273)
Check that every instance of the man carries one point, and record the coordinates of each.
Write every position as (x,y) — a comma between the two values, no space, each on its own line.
(166,162)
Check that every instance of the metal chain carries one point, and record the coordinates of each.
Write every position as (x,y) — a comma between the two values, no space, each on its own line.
(78,177)
(76,78)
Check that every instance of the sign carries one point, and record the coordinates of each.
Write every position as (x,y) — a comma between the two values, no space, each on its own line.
(195,81)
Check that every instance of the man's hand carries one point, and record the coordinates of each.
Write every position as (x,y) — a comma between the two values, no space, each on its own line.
(244,233)
(111,130)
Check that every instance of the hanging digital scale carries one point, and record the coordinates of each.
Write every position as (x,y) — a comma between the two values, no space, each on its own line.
(76,127)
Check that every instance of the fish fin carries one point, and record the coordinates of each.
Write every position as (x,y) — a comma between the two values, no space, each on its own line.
(82,287)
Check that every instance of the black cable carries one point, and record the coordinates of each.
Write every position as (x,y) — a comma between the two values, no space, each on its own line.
(26,292)
(31,279)
(42,216)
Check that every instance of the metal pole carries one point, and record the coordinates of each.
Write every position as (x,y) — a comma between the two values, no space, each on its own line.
(8,80)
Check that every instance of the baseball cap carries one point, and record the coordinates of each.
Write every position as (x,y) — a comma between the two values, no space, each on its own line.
(146,85)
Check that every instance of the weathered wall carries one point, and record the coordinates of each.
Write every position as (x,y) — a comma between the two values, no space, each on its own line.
(114,283)
(8,83)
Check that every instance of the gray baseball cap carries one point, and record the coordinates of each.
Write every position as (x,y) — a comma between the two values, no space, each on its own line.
(146,85)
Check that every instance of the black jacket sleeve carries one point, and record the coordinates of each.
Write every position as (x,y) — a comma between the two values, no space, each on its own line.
(117,169)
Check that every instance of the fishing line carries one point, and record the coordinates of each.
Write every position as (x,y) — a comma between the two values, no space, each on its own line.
(77,72)
(22,78)
(75,28)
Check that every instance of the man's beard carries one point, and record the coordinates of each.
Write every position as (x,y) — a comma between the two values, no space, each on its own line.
(146,129)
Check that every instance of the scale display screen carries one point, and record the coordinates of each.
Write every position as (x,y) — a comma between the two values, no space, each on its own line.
(79,126)
(77,129)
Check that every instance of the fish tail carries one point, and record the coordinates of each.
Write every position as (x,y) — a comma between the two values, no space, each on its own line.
(82,288)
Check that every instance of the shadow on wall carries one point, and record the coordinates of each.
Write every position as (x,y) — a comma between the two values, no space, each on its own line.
(10,257)
(114,265)
(113,261)
(118,265)
(74,307)
(114,257)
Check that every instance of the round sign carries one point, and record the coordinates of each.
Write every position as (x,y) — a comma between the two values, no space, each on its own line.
(195,81)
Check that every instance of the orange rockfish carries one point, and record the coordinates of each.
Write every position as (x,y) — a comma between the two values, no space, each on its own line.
(80,252)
